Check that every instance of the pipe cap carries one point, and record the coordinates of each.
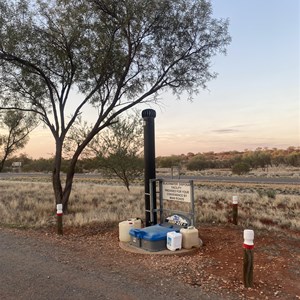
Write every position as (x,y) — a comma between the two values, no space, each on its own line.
(148,113)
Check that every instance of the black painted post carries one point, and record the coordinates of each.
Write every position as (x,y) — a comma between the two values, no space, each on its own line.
(149,157)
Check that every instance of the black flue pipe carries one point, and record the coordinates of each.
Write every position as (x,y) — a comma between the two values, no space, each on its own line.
(149,157)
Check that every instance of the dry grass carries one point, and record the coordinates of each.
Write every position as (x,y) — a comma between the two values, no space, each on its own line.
(33,205)
(256,208)
(28,204)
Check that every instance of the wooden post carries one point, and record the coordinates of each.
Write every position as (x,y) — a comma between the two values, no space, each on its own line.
(235,210)
(59,213)
(248,258)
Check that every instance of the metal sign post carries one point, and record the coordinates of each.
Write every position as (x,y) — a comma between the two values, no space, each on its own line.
(174,190)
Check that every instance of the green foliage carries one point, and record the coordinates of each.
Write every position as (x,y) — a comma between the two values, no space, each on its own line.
(293,159)
(240,168)
(257,159)
(17,125)
(198,163)
(90,164)
(169,161)
(118,149)
(38,165)
(87,165)
(269,193)
(127,167)
(278,160)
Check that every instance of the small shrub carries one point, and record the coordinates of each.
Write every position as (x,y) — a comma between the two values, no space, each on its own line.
(260,193)
(271,194)
(240,168)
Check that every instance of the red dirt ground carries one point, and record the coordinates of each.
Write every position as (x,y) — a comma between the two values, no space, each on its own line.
(216,267)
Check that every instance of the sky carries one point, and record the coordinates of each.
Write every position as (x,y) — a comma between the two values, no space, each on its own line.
(255,100)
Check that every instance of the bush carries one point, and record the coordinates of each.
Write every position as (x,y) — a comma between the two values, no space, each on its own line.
(198,163)
(293,159)
(269,193)
(240,168)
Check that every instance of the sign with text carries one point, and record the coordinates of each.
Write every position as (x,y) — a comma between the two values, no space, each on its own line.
(177,191)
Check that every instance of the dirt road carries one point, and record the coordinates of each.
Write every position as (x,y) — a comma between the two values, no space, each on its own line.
(32,268)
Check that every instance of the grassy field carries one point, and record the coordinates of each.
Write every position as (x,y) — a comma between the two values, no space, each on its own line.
(31,204)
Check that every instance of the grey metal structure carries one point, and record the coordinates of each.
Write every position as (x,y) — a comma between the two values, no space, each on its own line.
(190,215)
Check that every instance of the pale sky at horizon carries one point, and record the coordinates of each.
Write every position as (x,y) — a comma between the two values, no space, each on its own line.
(254,101)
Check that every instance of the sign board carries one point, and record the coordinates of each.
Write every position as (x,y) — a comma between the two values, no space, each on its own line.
(177,191)
(16,164)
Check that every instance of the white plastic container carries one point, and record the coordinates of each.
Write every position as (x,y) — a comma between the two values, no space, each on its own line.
(190,237)
(174,240)
(125,226)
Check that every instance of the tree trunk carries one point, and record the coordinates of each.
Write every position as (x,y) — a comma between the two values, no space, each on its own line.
(62,195)
(69,183)
(3,159)
(1,165)
(56,180)
(126,181)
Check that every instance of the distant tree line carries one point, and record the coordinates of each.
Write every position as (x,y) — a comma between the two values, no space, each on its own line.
(238,162)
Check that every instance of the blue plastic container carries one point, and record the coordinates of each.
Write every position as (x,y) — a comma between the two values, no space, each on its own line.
(152,238)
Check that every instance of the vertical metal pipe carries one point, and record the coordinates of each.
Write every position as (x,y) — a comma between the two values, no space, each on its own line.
(149,156)
(161,205)
(192,202)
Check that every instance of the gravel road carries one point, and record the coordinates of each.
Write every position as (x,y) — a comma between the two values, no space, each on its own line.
(43,269)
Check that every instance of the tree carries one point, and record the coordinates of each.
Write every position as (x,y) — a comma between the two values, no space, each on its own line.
(126,167)
(240,168)
(118,149)
(257,159)
(121,147)
(39,165)
(112,54)
(17,126)
(293,159)
(170,161)
(174,162)
(198,163)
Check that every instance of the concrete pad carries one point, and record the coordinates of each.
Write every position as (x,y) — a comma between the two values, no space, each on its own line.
(127,247)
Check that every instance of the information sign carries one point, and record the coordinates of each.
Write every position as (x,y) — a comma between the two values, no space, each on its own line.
(177,191)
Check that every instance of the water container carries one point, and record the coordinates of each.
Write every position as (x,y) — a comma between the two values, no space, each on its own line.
(174,240)
(152,238)
(190,237)
(125,226)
